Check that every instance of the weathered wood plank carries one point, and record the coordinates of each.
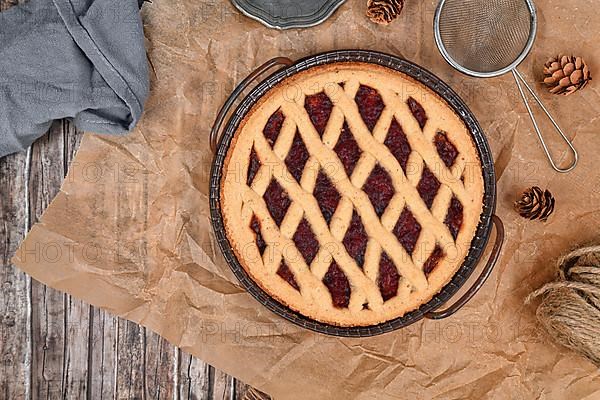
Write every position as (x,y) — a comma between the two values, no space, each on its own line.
(78,338)
(75,374)
(241,389)
(194,378)
(247,392)
(223,385)
(15,338)
(131,358)
(98,362)
(48,317)
(252,394)
(72,140)
(161,367)
(15,300)
(102,355)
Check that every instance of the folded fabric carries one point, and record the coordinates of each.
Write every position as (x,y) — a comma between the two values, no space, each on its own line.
(78,59)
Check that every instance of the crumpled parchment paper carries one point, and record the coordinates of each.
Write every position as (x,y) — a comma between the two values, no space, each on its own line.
(130,229)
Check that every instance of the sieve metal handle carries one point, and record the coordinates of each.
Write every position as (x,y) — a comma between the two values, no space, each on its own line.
(485,273)
(519,79)
(214,132)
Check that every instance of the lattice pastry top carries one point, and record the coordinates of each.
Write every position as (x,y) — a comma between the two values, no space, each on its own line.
(351,193)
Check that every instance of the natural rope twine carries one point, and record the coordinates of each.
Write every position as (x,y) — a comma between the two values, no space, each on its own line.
(570,307)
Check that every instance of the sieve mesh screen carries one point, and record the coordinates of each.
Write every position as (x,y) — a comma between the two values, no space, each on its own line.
(485,35)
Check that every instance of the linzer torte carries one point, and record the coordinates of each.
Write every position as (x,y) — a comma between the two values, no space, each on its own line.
(351,193)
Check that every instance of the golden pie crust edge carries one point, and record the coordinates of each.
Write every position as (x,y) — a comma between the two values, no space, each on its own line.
(240,235)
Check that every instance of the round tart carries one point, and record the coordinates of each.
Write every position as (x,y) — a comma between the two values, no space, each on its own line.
(351,193)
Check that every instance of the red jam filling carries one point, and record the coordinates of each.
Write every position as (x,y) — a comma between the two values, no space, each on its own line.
(319,108)
(388,277)
(379,189)
(306,241)
(417,111)
(370,105)
(355,240)
(398,144)
(445,148)
(347,150)
(338,286)
(297,157)
(260,242)
(428,186)
(273,127)
(433,260)
(277,201)
(327,196)
(407,230)
(287,275)
(454,218)
(253,167)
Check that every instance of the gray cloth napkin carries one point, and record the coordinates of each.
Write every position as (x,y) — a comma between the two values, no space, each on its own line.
(78,59)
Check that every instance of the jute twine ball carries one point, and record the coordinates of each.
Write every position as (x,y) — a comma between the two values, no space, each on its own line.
(570,306)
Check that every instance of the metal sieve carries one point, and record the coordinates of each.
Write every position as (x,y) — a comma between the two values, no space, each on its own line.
(487,38)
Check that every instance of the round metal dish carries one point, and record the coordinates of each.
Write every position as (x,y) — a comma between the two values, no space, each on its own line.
(287,14)
(483,230)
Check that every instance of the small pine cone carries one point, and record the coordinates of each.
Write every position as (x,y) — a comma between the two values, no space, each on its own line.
(566,74)
(384,11)
(535,204)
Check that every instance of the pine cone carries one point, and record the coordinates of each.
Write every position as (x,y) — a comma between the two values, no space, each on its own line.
(384,11)
(566,74)
(535,204)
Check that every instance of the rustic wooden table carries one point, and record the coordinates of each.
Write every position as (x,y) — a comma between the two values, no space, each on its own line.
(54,346)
